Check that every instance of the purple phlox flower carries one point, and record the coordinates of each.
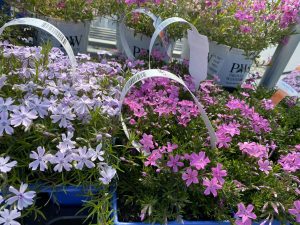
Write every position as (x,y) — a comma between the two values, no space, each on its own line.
(264,165)
(98,153)
(38,106)
(219,173)
(171,147)
(211,186)
(290,162)
(296,211)
(8,217)
(1,199)
(190,176)
(199,161)
(23,198)
(22,116)
(253,149)
(174,163)
(62,161)
(67,144)
(235,104)
(147,142)
(153,157)
(83,105)
(5,124)
(41,159)
(245,214)
(6,166)
(267,104)
(62,114)
(6,104)
(107,172)
(84,158)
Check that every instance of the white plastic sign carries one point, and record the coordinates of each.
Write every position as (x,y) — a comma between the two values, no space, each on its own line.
(76,33)
(229,64)
(165,74)
(199,49)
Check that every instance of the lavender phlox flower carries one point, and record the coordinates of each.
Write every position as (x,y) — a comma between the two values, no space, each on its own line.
(97,153)
(5,165)
(107,172)
(23,198)
(6,104)
(23,116)
(62,161)
(41,159)
(7,217)
(38,105)
(3,78)
(83,105)
(5,124)
(62,114)
(84,158)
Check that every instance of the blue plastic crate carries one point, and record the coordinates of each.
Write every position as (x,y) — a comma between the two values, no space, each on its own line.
(117,222)
(67,195)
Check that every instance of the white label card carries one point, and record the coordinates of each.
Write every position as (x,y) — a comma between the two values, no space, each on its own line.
(199,49)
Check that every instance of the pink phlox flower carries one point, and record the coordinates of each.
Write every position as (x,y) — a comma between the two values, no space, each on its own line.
(290,162)
(235,104)
(211,186)
(199,161)
(253,149)
(219,173)
(151,160)
(190,176)
(296,211)
(171,147)
(245,214)
(147,142)
(174,163)
(264,166)
(267,104)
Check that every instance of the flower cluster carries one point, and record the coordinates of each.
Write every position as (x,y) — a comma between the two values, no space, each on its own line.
(251,25)
(55,121)
(62,9)
(252,153)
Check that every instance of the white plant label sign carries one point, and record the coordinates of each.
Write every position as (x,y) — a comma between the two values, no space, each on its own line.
(76,34)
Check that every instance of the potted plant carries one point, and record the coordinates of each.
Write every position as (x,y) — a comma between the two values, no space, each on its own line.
(239,31)
(57,130)
(139,27)
(252,175)
(71,17)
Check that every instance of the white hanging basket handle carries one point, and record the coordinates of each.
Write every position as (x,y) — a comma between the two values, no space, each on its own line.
(41,24)
(156,22)
(199,49)
(164,74)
